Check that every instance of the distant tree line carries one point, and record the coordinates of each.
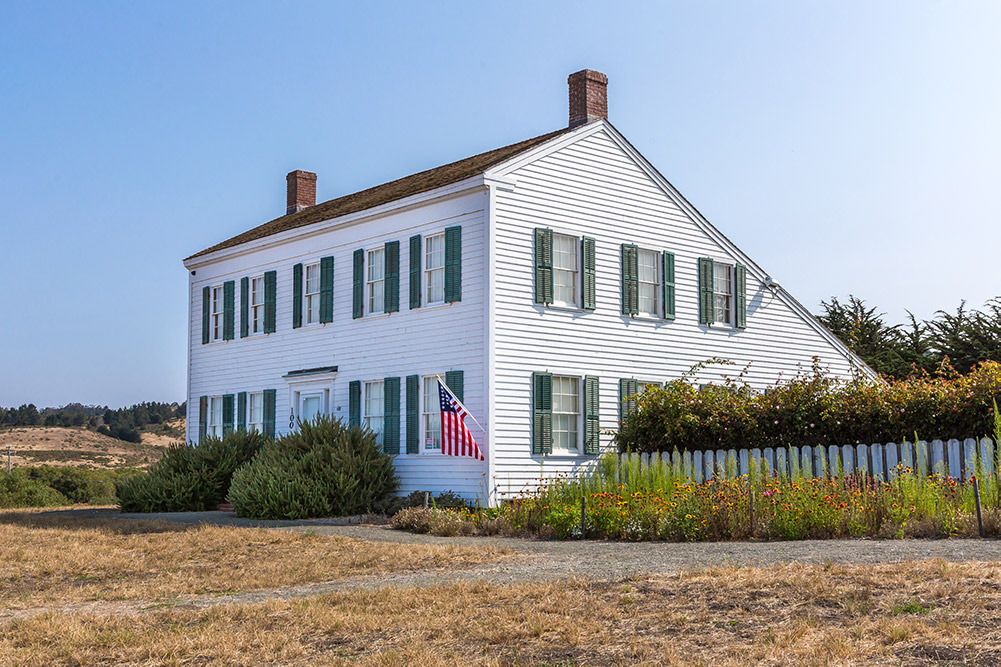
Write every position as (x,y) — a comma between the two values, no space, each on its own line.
(122,423)
(948,342)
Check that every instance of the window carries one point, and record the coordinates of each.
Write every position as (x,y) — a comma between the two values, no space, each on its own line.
(257,305)
(641,386)
(215,417)
(566,414)
(431,415)
(255,412)
(217,313)
(374,408)
(434,268)
(649,280)
(565,270)
(722,292)
(311,297)
(377,280)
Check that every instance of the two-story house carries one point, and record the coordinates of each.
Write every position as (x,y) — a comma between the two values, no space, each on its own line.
(546,281)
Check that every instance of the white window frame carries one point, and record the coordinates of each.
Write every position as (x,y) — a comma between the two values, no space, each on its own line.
(727,294)
(375,286)
(575,273)
(255,399)
(218,312)
(256,305)
(311,299)
(431,272)
(369,388)
(430,395)
(215,425)
(575,449)
(655,312)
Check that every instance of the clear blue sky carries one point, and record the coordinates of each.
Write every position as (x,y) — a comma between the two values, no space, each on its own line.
(849,147)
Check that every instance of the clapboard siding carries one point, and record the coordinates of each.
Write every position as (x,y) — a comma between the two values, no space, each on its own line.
(593,187)
(374,347)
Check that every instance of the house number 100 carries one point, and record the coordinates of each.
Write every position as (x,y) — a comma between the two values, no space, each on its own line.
(291,419)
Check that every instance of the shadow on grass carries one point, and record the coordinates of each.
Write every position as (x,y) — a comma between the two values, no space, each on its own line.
(86,520)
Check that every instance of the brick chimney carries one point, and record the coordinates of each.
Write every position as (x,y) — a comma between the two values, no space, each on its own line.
(300,190)
(588,96)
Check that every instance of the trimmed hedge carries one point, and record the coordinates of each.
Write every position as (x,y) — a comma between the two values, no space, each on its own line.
(323,469)
(813,409)
(190,478)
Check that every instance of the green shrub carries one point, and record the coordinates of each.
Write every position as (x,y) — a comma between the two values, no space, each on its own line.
(80,485)
(19,490)
(322,469)
(190,478)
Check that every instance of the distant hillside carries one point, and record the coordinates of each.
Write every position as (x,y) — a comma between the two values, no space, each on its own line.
(78,447)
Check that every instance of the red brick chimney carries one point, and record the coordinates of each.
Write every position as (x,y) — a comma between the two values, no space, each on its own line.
(588,96)
(300,191)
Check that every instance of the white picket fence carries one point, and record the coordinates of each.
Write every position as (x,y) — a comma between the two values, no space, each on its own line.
(954,458)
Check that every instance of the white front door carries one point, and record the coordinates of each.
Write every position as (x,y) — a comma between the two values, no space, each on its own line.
(310,406)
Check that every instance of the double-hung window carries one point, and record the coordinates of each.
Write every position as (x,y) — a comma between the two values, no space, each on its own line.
(565,269)
(375,408)
(431,415)
(217,313)
(215,417)
(311,297)
(257,305)
(434,268)
(648,274)
(566,414)
(722,291)
(255,412)
(376,283)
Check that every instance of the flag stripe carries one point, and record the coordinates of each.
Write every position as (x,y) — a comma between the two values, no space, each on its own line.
(456,438)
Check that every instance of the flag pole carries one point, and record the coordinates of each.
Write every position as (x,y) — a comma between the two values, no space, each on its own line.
(452,394)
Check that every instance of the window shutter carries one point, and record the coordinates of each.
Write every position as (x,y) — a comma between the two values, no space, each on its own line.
(206,309)
(453,264)
(203,417)
(454,381)
(413,415)
(297,296)
(227,414)
(630,279)
(740,300)
(269,412)
(592,423)
(358,284)
(705,290)
(241,411)
(669,296)
(415,271)
(228,310)
(244,307)
(270,301)
(354,403)
(542,413)
(326,289)
(391,436)
(392,276)
(589,281)
(627,396)
(543,265)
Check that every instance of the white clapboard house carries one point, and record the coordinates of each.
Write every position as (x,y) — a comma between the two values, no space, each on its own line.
(546,281)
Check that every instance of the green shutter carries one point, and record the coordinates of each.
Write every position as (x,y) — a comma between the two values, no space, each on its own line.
(630,279)
(241,411)
(270,301)
(627,396)
(740,300)
(668,273)
(454,381)
(542,413)
(543,265)
(228,310)
(244,307)
(589,283)
(326,289)
(354,403)
(592,423)
(705,290)
(415,271)
(297,296)
(413,414)
(391,434)
(227,414)
(392,276)
(358,284)
(269,412)
(206,310)
(453,264)
(203,418)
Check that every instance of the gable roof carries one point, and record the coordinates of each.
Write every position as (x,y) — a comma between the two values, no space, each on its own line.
(385,193)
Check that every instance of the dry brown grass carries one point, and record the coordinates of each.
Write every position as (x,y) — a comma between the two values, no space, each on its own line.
(71,446)
(46,559)
(915,613)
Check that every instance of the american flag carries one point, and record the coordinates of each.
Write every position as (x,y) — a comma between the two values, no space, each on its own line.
(456,440)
